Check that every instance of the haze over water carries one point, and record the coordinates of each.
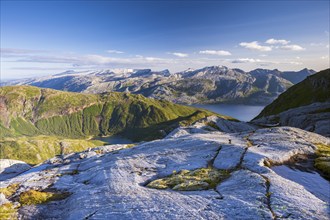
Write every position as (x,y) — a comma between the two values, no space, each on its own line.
(240,112)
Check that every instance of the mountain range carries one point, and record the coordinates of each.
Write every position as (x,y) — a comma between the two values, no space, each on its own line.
(212,84)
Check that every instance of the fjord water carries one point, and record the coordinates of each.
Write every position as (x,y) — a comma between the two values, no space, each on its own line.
(238,111)
(114,139)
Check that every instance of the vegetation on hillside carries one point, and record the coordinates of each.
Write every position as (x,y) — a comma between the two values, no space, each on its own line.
(315,88)
(36,149)
(50,116)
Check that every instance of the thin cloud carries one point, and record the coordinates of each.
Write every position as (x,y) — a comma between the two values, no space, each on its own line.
(17,51)
(216,52)
(95,59)
(293,47)
(115,51)
(254,45)
(316,44)
(275,41)
(178,54)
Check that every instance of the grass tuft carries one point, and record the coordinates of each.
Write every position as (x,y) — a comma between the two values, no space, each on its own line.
(8,211)
(322,162)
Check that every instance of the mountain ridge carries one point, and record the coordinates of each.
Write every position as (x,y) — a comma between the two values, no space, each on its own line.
(212,84)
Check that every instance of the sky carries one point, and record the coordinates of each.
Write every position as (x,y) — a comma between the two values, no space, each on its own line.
(48,37)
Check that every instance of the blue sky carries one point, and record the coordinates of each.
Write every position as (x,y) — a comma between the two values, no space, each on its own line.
(46,37)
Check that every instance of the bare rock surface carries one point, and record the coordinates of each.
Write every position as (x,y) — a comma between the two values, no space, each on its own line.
(314,117)
(110,182)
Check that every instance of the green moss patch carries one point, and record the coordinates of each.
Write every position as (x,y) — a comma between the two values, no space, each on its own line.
(213,125)
(185,180)
(33,197)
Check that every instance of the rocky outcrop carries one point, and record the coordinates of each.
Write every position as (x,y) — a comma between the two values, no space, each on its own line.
(112,184)
(11,168)
(314,118)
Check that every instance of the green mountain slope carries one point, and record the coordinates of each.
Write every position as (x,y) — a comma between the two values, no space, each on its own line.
(315,88)
(39,113)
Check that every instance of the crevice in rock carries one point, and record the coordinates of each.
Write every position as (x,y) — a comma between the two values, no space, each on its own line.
(90,215)
(249,144)
(210,164)
(239,165)
(220,195)
(268,195)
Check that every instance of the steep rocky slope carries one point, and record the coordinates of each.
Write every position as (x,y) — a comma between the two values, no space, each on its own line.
(207,85)
(305,105)
(31,111)
(112,182)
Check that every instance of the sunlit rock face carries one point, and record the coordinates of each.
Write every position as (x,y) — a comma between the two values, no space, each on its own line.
(10,168)
(314,117)
(111,182)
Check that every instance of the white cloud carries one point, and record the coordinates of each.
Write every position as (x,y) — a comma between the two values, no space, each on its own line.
(246,60)
(274,41)
(254,45)
(293,47)
(216,52)
(325,57)
(327,46)
(115,51)
(263,55)
(178,54)
(295,63)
